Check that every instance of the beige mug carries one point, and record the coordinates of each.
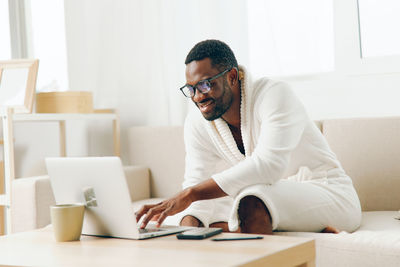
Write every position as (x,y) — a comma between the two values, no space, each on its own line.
(67,221)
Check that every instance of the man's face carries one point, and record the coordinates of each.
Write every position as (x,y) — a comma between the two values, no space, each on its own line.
(219,99)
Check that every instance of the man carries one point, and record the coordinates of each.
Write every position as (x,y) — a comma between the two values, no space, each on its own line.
(282,174)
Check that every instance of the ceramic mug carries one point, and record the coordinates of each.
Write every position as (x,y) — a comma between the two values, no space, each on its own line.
(67,221)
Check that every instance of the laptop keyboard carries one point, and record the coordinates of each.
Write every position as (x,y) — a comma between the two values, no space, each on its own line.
(143,231)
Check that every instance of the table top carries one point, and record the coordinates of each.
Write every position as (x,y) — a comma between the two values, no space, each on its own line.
(39,248)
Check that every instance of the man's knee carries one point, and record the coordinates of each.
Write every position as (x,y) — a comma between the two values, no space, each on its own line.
(254,215)
(251,205)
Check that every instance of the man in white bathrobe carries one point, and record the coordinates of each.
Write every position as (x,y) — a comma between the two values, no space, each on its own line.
(280,174)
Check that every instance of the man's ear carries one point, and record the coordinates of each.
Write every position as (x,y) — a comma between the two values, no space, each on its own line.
(233,76)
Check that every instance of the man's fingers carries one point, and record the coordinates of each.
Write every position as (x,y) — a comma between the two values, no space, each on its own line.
(140,212)
(158,211)
(152,212)
(162,217)
(143,210)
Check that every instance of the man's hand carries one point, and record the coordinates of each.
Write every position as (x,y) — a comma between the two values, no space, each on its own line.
(166,208)
(204,190)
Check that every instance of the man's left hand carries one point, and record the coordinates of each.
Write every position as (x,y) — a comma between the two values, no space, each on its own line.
(166,208)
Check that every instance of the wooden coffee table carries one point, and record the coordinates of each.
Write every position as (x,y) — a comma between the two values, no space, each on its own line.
(38,248)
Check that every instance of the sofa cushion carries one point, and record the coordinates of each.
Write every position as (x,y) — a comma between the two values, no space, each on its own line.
(31,200)
(138,181)
(375,243)
(369,150)
(381,221)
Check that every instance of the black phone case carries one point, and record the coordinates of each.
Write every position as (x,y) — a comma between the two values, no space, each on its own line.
(212,232)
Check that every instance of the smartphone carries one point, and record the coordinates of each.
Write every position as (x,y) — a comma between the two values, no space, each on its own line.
(237,238)
(199,233)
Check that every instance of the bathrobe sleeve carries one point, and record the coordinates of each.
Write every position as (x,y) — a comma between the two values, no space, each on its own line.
(200,163)
(283,119)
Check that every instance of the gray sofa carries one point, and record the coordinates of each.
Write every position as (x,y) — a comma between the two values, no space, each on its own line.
(368,148)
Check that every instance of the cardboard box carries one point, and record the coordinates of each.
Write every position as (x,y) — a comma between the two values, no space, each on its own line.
(64,102)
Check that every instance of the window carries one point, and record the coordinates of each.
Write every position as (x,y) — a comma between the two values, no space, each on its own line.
(379,27)
(289,37)
(365,39)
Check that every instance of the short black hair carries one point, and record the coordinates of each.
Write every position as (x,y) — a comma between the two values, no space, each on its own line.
(221,55)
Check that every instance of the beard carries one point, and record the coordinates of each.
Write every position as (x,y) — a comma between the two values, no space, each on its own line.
(221,104)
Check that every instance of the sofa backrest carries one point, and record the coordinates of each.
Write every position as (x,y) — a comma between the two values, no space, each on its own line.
(369,150)
(162,150)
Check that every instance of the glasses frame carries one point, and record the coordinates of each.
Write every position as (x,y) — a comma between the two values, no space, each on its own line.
(205,80)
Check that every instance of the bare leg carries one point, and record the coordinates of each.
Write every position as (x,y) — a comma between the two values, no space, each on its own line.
(189,220)
(254,216)
(330,230)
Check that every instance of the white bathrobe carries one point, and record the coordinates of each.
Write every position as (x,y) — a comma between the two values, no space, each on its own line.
(287,164)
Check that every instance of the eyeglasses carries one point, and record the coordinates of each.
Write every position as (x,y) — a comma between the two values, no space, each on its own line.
(204,86)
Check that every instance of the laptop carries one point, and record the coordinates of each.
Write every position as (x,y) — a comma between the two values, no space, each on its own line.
(100,183)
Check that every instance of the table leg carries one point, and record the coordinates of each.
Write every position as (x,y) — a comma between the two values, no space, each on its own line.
(9,168)
(63,142)
(2,210)
(117,136)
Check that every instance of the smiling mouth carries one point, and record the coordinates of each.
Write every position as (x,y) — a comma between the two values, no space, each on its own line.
(205,106)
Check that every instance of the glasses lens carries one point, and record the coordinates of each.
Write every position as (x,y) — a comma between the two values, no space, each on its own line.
(204,86)
(188,91)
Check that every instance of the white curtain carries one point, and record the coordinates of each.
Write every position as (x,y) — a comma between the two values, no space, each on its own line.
(131,54)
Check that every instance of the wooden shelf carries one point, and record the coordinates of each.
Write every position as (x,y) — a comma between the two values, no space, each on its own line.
(63,116)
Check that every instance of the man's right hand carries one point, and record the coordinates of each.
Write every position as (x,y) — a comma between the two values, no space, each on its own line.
(189,220)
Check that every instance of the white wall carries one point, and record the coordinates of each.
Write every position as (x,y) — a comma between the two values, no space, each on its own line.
(350,96)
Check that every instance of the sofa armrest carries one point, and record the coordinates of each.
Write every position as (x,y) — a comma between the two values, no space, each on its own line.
(30,199)
(138,180)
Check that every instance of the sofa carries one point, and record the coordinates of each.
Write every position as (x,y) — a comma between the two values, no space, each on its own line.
(368,148)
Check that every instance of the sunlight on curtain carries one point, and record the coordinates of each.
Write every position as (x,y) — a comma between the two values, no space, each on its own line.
(5,44)
(131,53)
(48,31)
(290,37)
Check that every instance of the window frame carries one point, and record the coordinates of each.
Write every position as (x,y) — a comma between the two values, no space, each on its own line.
(348,59)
